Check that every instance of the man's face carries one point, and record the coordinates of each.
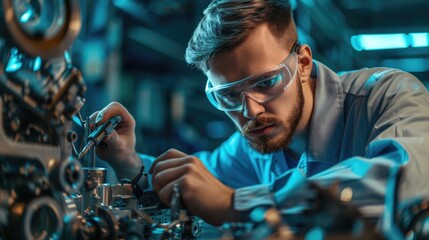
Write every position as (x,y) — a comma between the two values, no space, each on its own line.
(273,129)
(267,126)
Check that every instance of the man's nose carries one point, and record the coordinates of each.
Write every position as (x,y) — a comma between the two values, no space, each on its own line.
(251,108)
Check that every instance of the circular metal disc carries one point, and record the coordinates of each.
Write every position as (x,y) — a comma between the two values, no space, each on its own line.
(44,28)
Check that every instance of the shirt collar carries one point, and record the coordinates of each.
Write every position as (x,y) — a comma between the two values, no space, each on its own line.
(327,122)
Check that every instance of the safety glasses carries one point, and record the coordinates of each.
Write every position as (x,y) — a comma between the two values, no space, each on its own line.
(260,88)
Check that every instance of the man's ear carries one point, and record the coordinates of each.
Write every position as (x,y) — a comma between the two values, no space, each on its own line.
(305,62)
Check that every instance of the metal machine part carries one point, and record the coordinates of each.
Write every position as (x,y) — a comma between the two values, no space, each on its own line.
(117,210)
(40,91)
(413,219)
(44,191)
(40,28)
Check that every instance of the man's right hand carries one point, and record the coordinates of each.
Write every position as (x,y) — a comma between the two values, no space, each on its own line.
(120,151)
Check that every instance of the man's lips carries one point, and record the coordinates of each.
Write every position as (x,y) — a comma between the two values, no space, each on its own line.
(261,130)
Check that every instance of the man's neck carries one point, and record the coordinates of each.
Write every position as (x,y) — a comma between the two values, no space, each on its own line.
(300,141)
(298,145)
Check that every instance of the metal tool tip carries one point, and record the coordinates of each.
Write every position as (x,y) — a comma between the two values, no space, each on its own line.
(82,153)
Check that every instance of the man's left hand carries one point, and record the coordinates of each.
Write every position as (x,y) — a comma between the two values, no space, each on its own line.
(202,194)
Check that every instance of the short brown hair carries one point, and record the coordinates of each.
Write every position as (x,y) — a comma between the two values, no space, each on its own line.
(227,23)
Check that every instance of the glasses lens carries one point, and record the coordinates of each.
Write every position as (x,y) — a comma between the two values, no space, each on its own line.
(269,86)
(228,99)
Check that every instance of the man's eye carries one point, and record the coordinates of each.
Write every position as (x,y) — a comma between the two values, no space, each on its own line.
(231,95)
(268,82)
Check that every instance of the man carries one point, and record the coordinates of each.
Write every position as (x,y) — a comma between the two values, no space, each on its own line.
(297,121)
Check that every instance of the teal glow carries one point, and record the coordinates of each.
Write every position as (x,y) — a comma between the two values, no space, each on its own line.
(26,17)
(389,41)
(305,38)
(309,3)
(379,41)
(37,64)
(419,39)
(13,66)
(258,214)
(315,233)
(293,4)
(14,63)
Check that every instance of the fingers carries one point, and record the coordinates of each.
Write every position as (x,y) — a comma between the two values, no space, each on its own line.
(200,192)
(166,192)
(171,153)
(118,147)
(170,175)
(168,168)
(114,108)
(94,116)
(171,169)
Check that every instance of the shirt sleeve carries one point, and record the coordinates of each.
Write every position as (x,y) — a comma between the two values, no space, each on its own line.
(230,162)
(400,107)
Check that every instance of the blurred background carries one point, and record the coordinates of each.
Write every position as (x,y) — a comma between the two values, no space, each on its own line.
(132,51)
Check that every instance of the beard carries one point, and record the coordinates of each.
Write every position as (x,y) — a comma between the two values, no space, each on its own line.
(267,144)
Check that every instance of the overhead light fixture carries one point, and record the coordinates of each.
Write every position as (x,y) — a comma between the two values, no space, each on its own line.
(389,41)
(379,41)
(419,39)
